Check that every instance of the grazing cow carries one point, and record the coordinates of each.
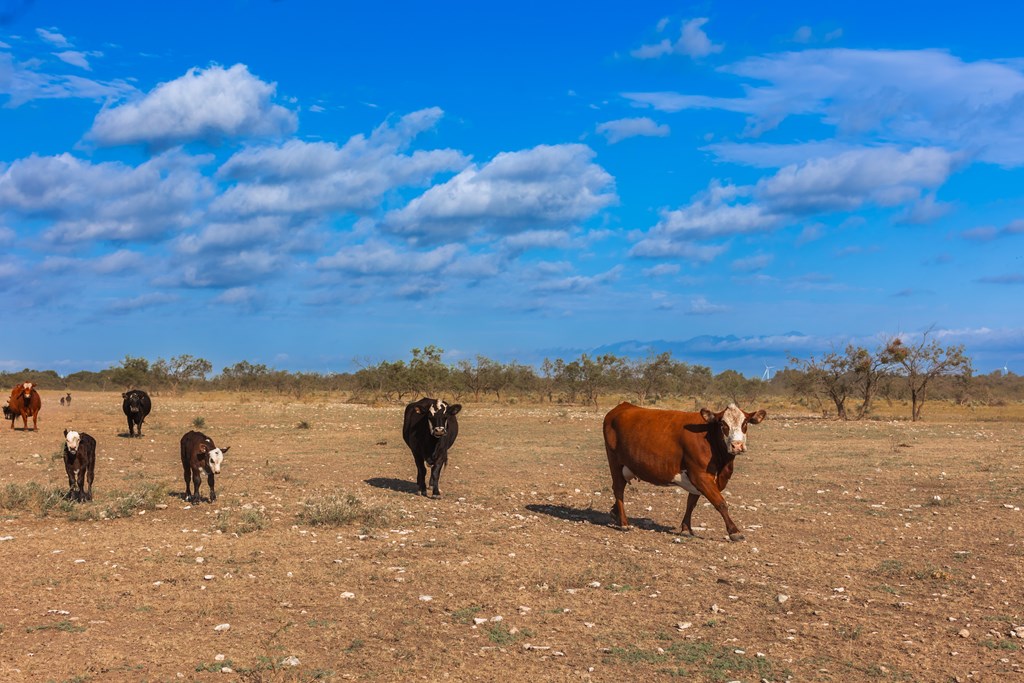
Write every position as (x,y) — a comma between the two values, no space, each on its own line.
(136,406)
(669,447)
(24,401)
(199,453)
(79,463)
(68,398)
(429,430)
(62,400)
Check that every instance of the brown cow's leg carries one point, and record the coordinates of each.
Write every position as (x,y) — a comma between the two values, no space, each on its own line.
(708,486)
(618,511)
(691,502)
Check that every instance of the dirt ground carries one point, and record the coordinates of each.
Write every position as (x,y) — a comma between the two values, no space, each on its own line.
(875,551)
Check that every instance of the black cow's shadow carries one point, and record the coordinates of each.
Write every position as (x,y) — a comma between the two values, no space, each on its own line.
(595,517)
(392,484)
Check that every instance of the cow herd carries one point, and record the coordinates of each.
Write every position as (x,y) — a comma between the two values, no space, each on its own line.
(693,450)
(198,452)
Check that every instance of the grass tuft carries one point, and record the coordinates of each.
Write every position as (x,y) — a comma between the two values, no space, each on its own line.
(341,509)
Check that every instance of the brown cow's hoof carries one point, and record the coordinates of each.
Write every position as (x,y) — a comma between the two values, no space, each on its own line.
(735,537)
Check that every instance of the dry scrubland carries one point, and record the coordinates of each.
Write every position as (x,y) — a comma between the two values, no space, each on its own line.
(876,551)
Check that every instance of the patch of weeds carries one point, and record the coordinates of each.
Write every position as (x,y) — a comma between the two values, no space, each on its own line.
(466,614)
(1000,644)
(355,645)
(214,667)
(499,634)
(940,502)
(81,678)
(302,425)
(247,521)
(340,509)
(33,498)
(931,572)
(122,504)
(634,655)
(889,568)
(886,588)
(65,625)
(199,422)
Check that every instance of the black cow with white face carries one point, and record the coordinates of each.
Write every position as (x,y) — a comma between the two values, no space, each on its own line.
(136,406)
(429,430)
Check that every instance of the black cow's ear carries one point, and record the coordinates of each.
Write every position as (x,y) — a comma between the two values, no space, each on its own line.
(757,417)
(202,448)
(708,416)
(418,410)
(65,433)
(225,449)
(124,395)
(453,410)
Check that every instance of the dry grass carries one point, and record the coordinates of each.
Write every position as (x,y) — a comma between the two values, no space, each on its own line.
(887,537)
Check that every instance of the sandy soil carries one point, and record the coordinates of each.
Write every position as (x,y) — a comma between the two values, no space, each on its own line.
(875,551)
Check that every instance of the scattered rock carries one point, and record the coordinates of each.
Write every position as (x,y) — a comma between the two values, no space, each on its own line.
(782,598)
(479,620)
(964,633)
(218,658)
(426,598)
(221,628)
(290,660)
(347,595)
(683,625)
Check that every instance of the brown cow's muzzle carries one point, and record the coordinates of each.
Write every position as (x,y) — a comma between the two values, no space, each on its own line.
(737,447)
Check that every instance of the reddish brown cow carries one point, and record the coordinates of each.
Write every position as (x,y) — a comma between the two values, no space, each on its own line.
(25,401)
(672,448)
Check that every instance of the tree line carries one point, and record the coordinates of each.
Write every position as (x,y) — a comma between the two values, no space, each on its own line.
(843,384)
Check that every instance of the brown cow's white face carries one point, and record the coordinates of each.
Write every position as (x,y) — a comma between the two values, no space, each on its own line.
(733,423)
(72,439)
(217,459)
(27,389)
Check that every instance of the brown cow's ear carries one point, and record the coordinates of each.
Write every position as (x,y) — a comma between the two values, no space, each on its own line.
(418,411)
(757,417)
(708,416)
(225,450)
(202,448)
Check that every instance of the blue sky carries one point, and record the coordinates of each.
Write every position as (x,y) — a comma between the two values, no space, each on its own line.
(307,184)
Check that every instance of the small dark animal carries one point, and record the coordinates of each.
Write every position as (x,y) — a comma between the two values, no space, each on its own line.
(8,413)
(62,400)
(669,447)
(79,463)
(24,401)
(198,453)
(68,398)
(429,430)
(136,406)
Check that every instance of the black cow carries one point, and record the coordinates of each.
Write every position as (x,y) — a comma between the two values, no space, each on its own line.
(429,430)
(79,463)
(198,453)
(136,406)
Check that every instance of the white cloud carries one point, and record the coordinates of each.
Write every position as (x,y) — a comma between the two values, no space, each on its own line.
(699,305)
(661,270)
(664,247)
(803,35)
(753,263)
(536,239)
(104,201)
(579,283)
(548,186)
(74,58)
(53,38)
(621,129)
(306,177)
(141,302)
(914,97)
(378,258)
(692,42)
(22,82)
(207,105)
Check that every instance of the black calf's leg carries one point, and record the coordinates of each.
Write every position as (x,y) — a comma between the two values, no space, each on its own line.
(421,475)
(209,480)
(81,484)
(435,474)
(188,480)
(196,479)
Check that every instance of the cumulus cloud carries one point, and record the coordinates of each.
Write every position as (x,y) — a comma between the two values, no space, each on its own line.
(203,105)
(692,42)
(104,201)
(305,177)
(621,129)
(141,302)
(53,38)
(378,258)
(879,176)
(987,233)
(699,305)
(662,270)
(548,186)
(578,284)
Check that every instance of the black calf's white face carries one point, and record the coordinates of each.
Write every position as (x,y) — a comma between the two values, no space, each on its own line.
(437,417)
(72,439)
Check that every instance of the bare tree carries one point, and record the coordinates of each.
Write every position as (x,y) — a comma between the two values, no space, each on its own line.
(920,363)
(833,375)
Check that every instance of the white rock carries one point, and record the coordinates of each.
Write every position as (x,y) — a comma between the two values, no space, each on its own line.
(479,620)
(290,660)
(208,577)
(227,670)
(964,633)
(200,560)
(426,598)
(497,619)
(781,598)
(347,595)
(218,658)
(683,625)
(523,609)
(594,584)
(6,538)
(221,628)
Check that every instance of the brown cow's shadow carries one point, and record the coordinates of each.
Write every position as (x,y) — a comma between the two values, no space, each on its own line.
(392,484)
(595,517)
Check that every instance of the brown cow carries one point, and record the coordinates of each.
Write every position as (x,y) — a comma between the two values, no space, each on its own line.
(672,448)
(25,401)
(199,454)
